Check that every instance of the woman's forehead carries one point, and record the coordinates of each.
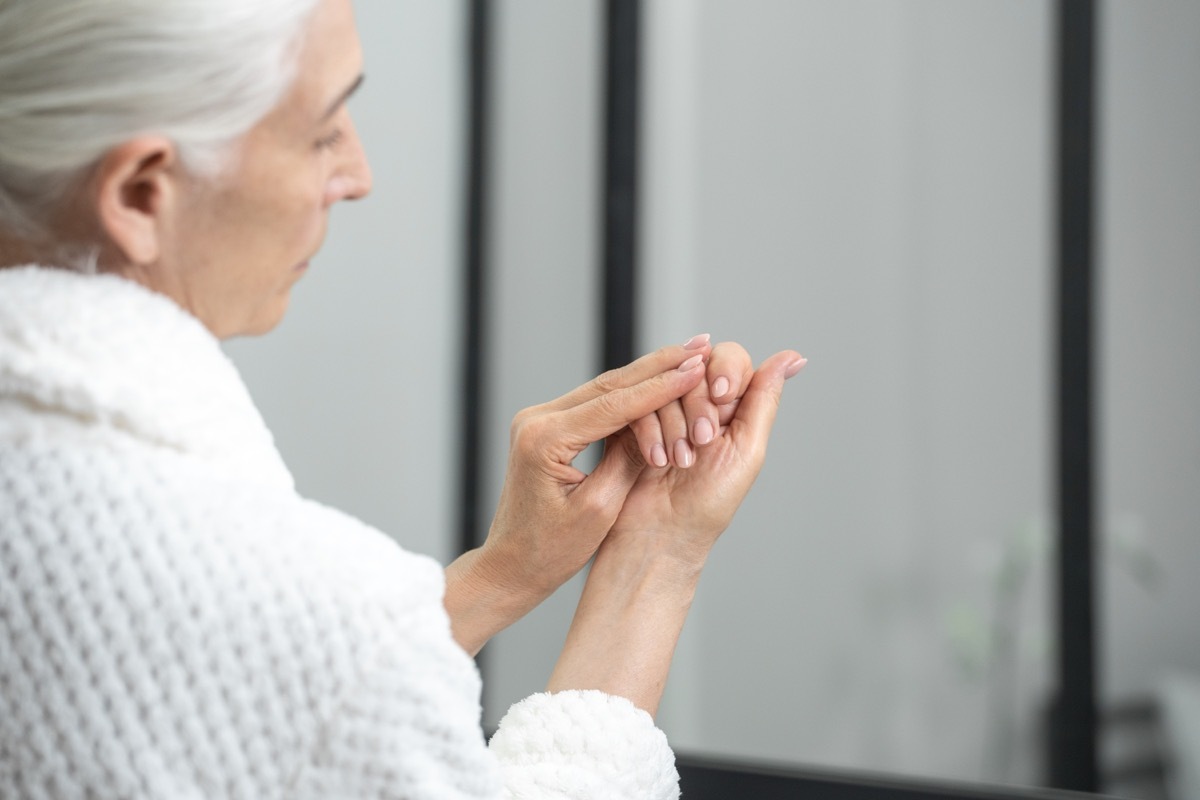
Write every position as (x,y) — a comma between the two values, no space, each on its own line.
(329,65)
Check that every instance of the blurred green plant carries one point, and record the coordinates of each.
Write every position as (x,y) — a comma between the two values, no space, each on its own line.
(992,648)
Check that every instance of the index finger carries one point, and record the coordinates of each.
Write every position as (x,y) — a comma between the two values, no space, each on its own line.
(646,367)
(607,413)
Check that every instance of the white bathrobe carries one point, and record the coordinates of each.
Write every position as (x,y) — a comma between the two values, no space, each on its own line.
(176,622)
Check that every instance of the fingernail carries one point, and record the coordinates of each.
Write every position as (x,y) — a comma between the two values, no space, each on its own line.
(795,367)
(658,455)
(703,431)
(696,342)
(683,454)
(720,386)
(691,363)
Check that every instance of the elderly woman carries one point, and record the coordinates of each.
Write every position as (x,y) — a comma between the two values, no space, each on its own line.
(176,621)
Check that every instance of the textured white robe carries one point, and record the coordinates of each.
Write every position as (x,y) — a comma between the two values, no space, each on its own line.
(176,622)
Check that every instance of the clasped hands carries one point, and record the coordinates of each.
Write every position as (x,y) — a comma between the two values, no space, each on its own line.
(685,431)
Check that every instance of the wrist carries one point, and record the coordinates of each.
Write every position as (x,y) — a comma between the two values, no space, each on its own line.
(663,552)
(483,597)
(637,596)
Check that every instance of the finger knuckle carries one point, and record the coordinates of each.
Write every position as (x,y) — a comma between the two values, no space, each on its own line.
(518,422)
(608,404)
(527,433)
(608,381)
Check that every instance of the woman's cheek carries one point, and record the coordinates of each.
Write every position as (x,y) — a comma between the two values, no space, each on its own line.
(313,233)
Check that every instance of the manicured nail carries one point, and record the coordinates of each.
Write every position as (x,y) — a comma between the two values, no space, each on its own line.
(702,431)
(720,386)
(658,455)
(683,454)
(795,367)
(691,363)
(696,342)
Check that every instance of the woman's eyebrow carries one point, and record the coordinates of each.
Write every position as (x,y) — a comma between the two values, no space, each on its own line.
(343,97)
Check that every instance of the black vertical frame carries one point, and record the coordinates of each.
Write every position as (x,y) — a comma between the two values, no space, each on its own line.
(474,359)
(619,244)
(619,273)
(1073,732)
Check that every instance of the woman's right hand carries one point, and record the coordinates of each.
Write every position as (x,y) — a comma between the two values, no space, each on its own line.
(675,433)
(552,517)
(686,510)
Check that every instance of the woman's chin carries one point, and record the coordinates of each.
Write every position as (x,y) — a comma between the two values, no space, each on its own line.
(265,320)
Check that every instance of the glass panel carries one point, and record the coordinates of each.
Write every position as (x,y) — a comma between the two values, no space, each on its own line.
(1150,376)
(868,182)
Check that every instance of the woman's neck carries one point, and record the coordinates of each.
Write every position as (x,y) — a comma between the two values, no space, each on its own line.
(14,252)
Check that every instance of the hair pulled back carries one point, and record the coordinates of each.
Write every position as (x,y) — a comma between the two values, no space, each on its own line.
(79,77)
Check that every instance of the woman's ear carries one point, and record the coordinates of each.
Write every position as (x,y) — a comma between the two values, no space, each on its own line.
(134,194)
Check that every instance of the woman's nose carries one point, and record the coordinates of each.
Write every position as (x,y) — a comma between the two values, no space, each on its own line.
(359,173)
(352,180)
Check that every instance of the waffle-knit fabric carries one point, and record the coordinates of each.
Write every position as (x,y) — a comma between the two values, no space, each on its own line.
(176,622)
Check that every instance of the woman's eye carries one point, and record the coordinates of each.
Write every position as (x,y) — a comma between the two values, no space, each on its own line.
(326,142)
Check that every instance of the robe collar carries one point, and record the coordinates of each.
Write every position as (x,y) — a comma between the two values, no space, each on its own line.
(108,352)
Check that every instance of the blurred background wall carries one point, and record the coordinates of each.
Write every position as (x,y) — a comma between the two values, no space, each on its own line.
(869,182)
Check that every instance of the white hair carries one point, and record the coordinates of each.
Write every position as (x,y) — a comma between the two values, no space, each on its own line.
(79,77)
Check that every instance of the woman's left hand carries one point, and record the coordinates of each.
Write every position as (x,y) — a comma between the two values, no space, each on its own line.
(551,517)
(676,432)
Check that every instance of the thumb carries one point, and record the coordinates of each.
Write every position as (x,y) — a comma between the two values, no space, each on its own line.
(756,413)
(612,479)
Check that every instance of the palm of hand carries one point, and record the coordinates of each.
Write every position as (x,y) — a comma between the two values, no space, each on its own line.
(691,507)
(683,511)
